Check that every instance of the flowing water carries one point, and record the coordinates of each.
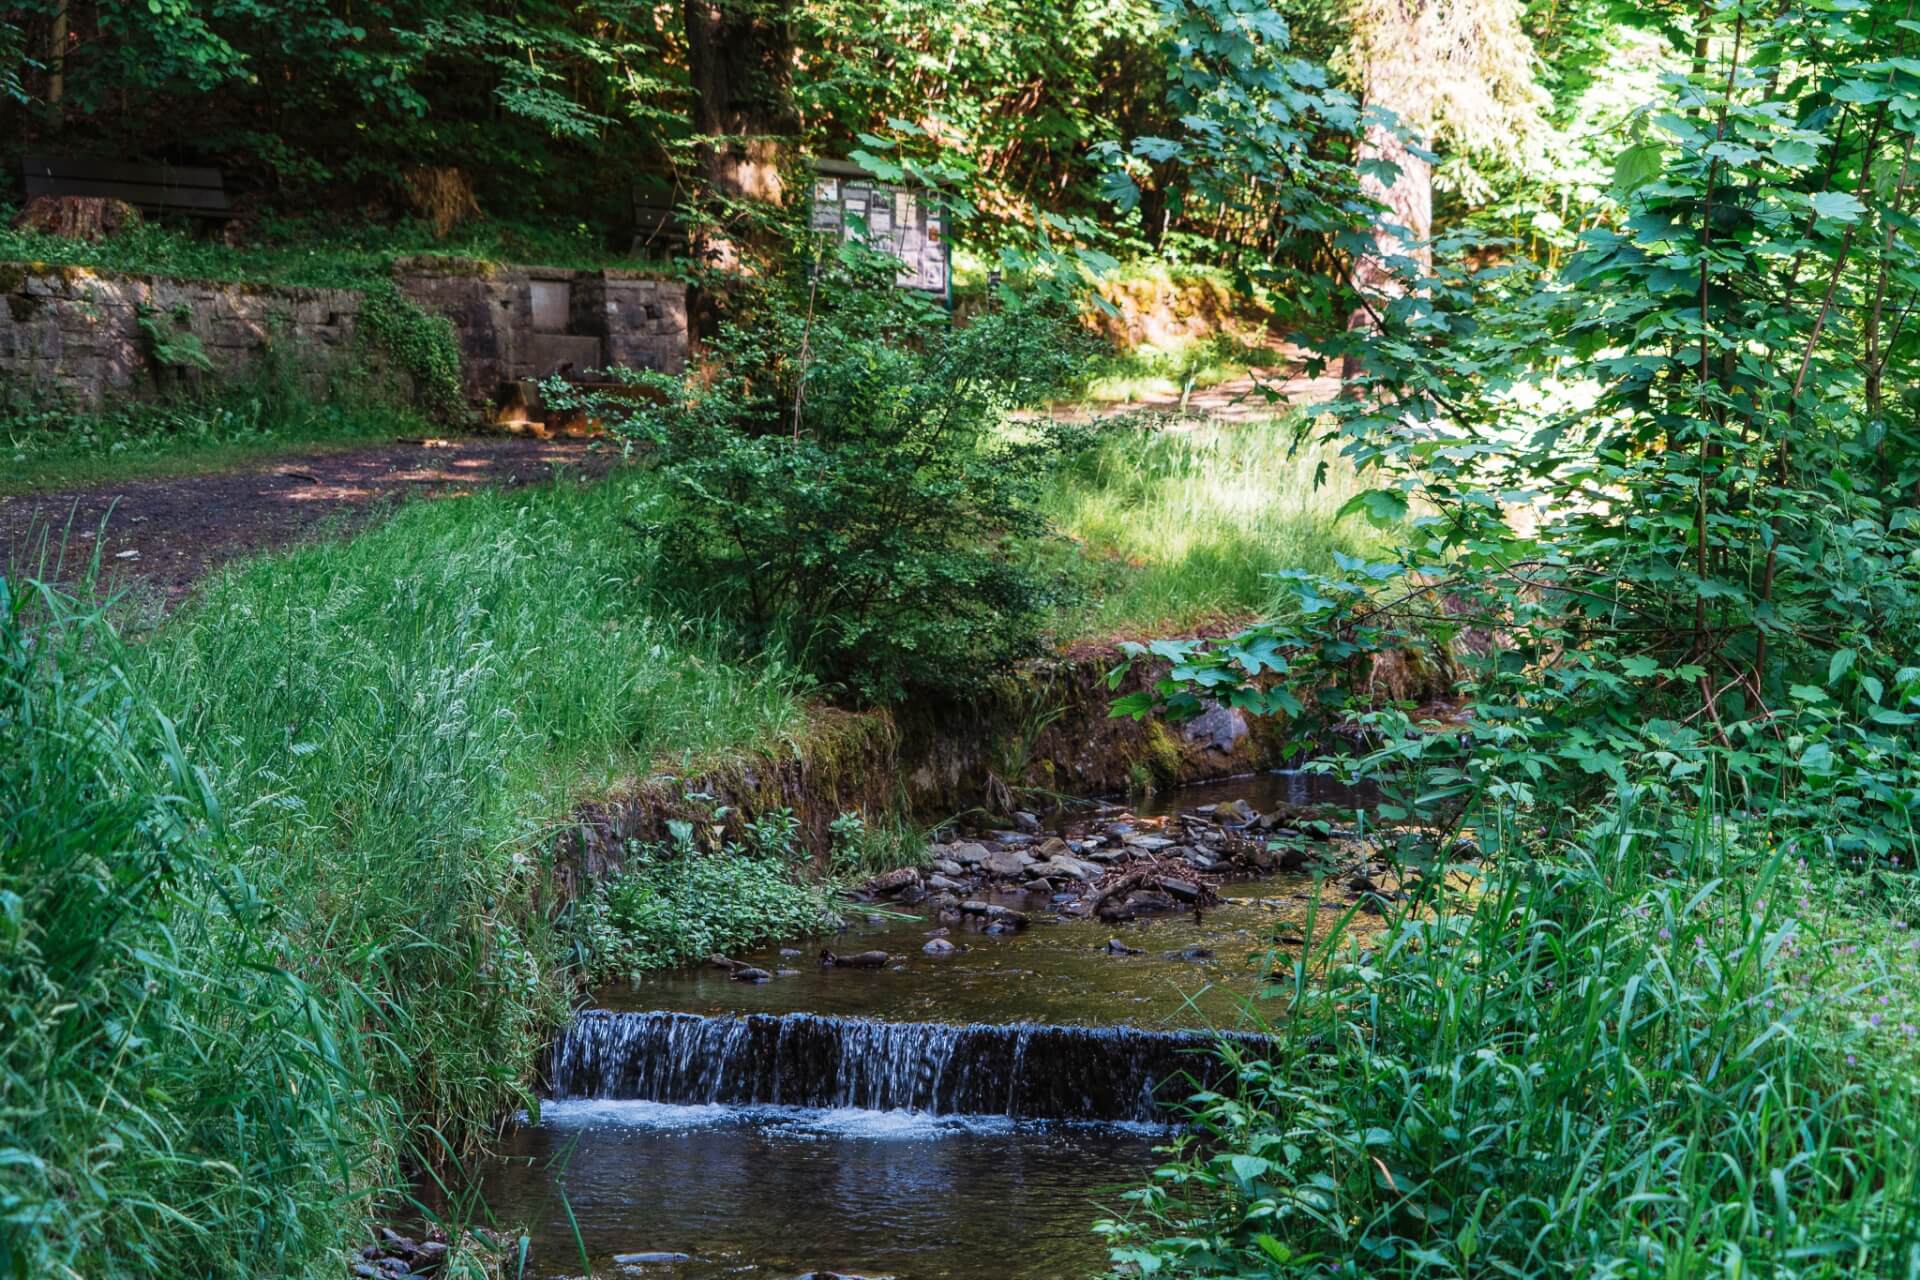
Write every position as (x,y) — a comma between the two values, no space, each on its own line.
(956,1118)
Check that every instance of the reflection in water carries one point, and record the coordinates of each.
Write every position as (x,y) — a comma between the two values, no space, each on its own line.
(760,1193)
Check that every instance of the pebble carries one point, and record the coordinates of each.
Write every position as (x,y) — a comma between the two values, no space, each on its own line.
(939,947)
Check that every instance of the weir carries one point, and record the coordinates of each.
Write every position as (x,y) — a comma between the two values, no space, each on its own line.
(1022,1070)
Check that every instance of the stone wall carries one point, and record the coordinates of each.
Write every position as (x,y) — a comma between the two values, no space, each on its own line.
(75,333)
(521,324)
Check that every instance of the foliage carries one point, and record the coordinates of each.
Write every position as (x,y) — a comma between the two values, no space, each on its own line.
(170,342)
(180,1096)
(1695,421)
(674,904)
(419,345)
(392,746)
(339,253)
(839,478)
(50,444)
(1264,134)
(1636,1014)
(1658,500)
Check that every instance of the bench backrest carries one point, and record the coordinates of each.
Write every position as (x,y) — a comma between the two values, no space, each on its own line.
(164,187)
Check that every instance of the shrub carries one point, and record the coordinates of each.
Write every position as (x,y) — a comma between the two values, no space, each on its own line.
(671,904)
(842,479)
(421,346)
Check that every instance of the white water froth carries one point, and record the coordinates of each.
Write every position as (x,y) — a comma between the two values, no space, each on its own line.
(796,1122)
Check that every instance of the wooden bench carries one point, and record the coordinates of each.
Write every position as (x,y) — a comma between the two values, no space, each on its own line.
(153,188)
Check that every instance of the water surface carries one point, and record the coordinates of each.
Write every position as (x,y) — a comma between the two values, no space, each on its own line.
(768,1193)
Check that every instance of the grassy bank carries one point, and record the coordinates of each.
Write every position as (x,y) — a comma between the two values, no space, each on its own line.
(1654,1047)
(311,252)
(280,918)
(49,448)
(1182,524)
(276,869)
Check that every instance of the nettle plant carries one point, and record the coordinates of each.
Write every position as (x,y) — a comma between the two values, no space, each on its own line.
(1670,490)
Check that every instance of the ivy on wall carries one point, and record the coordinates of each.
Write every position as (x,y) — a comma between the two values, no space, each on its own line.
(418,344)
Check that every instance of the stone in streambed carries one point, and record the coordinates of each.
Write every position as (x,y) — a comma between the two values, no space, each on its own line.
(1238,811)
(654,1258)
(747,973)
(1069,866)
(1115,947)
(1184,890)
(863,960)
(939,947)
(1008,863)
(942,882)
(892,881)
(995,914)
(967,854)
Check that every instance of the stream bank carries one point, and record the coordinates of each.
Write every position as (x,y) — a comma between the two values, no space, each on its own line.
(1035,736)
(947,1113)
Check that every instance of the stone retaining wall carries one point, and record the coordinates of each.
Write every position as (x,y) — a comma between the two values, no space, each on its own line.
(74,333)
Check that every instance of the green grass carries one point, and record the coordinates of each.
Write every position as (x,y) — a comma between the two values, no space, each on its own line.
(50,449)
(1180,524)
(1150,372)
(316,930)
(1646,1050)
(309,252)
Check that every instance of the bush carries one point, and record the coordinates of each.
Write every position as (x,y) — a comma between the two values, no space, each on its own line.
(672,904)
(842,479)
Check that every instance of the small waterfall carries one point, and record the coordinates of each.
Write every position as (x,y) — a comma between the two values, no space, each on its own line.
(808,1060)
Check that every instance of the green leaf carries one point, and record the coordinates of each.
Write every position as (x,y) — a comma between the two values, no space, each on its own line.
(1383,507)
(1638,165)
(1837,666)
(1836,206)
(1795,154)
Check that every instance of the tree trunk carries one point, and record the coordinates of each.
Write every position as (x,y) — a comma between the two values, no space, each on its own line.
(57,55)
(1407,225)
(740,63)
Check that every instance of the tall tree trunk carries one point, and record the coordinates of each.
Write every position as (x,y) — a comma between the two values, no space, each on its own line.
(1403,233)
(740,62)
(57,55)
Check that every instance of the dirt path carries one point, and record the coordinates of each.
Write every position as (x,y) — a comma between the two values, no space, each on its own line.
(170,532)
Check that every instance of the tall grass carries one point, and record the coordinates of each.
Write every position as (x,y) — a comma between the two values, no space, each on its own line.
(400,718)
(271,911)
(175,1098)
(1178,523)
(1621,1060)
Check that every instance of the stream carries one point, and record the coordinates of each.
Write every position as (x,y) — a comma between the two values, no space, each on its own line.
(966,1116)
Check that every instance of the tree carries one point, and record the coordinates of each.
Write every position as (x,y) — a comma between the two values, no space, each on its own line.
(1452,72)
